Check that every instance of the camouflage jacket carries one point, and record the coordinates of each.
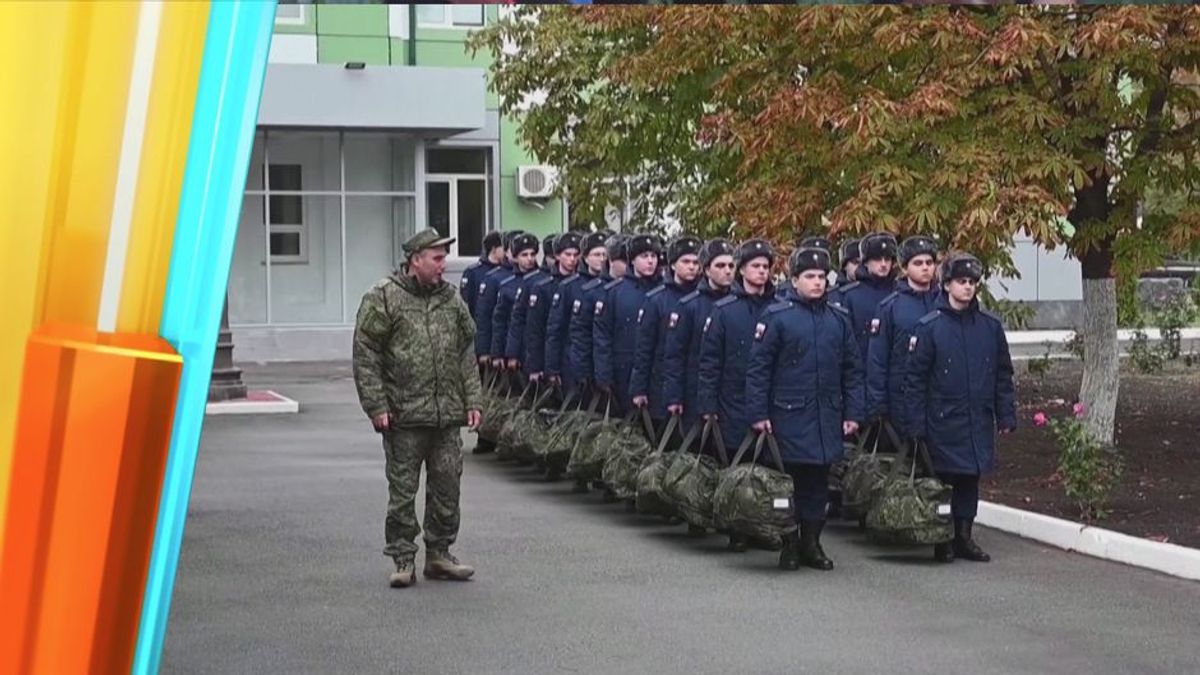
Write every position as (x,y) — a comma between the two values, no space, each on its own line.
(414,354)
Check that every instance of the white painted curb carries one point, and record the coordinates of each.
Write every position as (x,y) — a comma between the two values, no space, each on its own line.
(1172,559)
(278,404)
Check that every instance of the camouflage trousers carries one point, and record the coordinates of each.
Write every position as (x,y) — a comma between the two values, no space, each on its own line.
(405,450)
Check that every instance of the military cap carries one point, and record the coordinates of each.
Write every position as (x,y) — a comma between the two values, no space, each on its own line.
(426,239)
(643,243)
(962,266)
(593,240)
(681,246)
(916,245)
(816,242)
(804,259)
(523,242)
(850,252)
(567,240)
(712,249)
(508,237)
(754,248)
(548,245)
(878,245)
(617,247)
(493,239)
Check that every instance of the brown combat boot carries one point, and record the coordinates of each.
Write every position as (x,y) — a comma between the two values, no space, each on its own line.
(405,574)
(442,565)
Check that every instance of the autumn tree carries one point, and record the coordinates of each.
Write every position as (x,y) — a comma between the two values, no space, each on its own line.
(969,123)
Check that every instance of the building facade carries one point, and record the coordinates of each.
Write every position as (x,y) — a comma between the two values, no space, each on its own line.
(375,122)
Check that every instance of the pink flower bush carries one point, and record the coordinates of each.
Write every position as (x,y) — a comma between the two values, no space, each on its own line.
(1039,420)
(1079,409)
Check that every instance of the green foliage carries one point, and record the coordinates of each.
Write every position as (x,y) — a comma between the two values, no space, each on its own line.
(1075,344)
(1177,314)
(1145,357)
(1039,367)
(1089,471)
(1129,310)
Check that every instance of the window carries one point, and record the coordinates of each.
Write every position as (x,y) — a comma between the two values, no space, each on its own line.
(291,14)
(450,16)
(287,235)
(458,196)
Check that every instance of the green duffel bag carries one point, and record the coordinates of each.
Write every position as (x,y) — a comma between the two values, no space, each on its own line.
(628,449)
(526,429)
(866,472)
(911,511)
(555,447)
(517,414)
(690,481)
(651,498)
(590,450)
(755,500)
(498,406)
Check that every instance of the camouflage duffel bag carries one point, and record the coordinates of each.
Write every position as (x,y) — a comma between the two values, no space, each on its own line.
(497,407)
(909,510)
(690,481)
(526,430)
(865,474)
(629,448)
(517,416)
(568,422)
(651,498)
(591,447)
(755,500)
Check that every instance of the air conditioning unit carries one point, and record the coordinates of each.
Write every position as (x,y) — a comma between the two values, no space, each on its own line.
(536,182)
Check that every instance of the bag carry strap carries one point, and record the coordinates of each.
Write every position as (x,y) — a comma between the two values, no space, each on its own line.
(668,430)
(772,446)
(690,438)
(489,381)
(541,398)
(710,429)
(594,405)
(865,435)
(745,446)
(524,393)
(647,423)
(567,401)
(900,445)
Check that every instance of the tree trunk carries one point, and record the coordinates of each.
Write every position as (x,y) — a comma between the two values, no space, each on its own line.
(1100,357)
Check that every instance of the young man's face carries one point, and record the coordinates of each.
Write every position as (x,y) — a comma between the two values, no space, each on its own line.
(810,284)
(646,264)
(617,268)
(756,272)
(850,269)
(687,268)
(596,259)
(962,290)
(568,260)
(428,266)
(879,267)
(527,260)
(720,271)
(920,269)
(496,255)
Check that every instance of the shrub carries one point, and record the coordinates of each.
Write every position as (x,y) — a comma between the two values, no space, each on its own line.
(1146,358)
(1089,471)
(1177,314)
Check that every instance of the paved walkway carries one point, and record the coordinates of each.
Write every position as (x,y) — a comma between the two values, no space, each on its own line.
(281,571)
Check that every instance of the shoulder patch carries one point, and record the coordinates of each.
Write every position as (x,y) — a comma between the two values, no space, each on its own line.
(571,279)
(841,309)
(673,320)
(889,298)
(776,307)
(473,266)
(533,297)
(760,330)
(543,282)
(689,297)
(929,318)
(555,298)
(508,281)
(576,306)
(655,291)
(599,308)
(726,301)
(850,286)
(482,287)
(592,283)
(613,284)
(707,323)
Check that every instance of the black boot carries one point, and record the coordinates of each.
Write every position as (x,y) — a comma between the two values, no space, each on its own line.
(835,505)
(789,556)
(964,546)
(811,552)
(737,544)
(483,446)
(943,553)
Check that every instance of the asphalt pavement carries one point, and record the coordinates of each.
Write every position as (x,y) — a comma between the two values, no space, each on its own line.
(282,571)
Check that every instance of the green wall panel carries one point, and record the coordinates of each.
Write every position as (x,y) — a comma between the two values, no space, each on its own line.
(308,27)
(399,51)
(373,51)
(359,20)
(515,214)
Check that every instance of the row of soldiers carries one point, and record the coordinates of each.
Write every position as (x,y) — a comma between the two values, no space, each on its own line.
(702,331)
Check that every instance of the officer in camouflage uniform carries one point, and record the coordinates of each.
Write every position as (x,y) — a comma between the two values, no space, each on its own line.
(414,367)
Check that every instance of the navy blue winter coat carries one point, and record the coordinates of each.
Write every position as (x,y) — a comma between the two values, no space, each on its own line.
(614,332)
(511,291)
(681,358)
(724,355)
(805,375)
(565,304)
(651,345)
(580,354)
(887,354)
(861,298)
(959,387)
(485,305)
(468,286)
(536,315)
(515,346)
